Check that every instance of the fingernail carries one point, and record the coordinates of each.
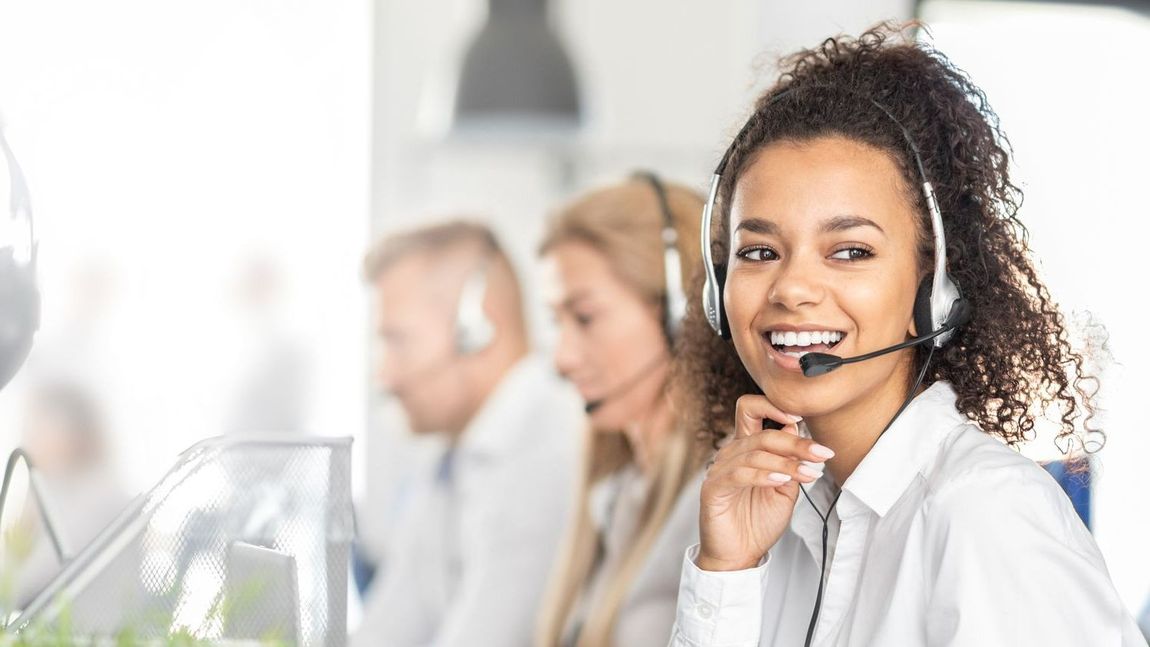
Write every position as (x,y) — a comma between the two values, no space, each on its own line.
(778,477)
(795,418)
(822,451)
(808,471)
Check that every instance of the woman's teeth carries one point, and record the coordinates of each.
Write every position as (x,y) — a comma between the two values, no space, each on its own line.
(805,338)
(796,344)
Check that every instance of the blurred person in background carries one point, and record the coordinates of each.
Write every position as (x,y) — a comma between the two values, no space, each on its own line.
(469,560)
(616,259)
(64,436)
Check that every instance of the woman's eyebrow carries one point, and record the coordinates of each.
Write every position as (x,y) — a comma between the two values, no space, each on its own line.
(573,300)
(838,223)
(841,223)
(758,226)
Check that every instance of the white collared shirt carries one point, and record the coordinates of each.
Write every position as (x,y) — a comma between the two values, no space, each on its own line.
(942,536)
(470,562)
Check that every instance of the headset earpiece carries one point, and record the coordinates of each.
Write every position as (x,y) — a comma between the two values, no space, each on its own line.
(474,331)
(720,323)
(19,317)
(922,320)
(19,295)
(953,310)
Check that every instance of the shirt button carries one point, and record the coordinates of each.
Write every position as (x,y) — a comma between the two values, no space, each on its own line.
(705,610)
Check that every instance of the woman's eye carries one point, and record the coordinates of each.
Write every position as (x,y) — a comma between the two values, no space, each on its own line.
(583,320)
(758,254)
(852,254)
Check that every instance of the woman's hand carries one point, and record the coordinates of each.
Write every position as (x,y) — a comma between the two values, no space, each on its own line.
(749,494)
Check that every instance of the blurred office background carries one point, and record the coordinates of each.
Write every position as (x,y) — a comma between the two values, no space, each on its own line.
(206,176)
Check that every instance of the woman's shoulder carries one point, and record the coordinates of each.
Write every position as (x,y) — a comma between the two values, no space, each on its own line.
(969,460)
(682,523)
(660,574)
(680,530)
(979,485)
(1004,553)
(969,453)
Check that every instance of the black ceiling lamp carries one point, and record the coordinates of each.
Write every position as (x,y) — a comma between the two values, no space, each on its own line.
(516,76)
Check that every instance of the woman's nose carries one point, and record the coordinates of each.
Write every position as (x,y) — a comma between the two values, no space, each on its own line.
(566,355)
(797,282)
(387,373)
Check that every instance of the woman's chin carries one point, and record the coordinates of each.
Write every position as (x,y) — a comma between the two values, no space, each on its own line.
(609,417)
(601,423)
(807,401)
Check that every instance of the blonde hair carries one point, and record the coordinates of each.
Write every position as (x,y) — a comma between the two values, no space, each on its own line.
(624,223)
(391,249)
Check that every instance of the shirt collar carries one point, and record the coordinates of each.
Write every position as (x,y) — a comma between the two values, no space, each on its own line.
(888,469)
(906,449)
(499,423)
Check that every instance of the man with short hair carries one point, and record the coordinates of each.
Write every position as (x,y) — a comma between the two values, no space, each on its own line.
(471,559)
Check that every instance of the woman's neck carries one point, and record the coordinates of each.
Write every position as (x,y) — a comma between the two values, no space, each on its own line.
(646,435)
(851,431)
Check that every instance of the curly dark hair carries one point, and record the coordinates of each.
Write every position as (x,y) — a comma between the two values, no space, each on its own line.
(1013,362)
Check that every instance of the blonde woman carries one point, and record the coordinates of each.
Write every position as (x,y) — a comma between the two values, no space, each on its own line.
(615,260)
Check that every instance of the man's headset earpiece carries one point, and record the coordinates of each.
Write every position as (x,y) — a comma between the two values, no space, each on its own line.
(675,300)
(939,308)
(19,296)
(474,331)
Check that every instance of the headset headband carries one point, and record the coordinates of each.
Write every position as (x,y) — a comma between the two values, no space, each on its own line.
(675,301)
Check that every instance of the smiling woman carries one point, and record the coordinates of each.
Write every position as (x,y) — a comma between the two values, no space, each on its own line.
(879,504)
(1016,329)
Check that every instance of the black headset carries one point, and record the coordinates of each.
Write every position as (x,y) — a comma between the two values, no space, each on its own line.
(939,308)
(19,296)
